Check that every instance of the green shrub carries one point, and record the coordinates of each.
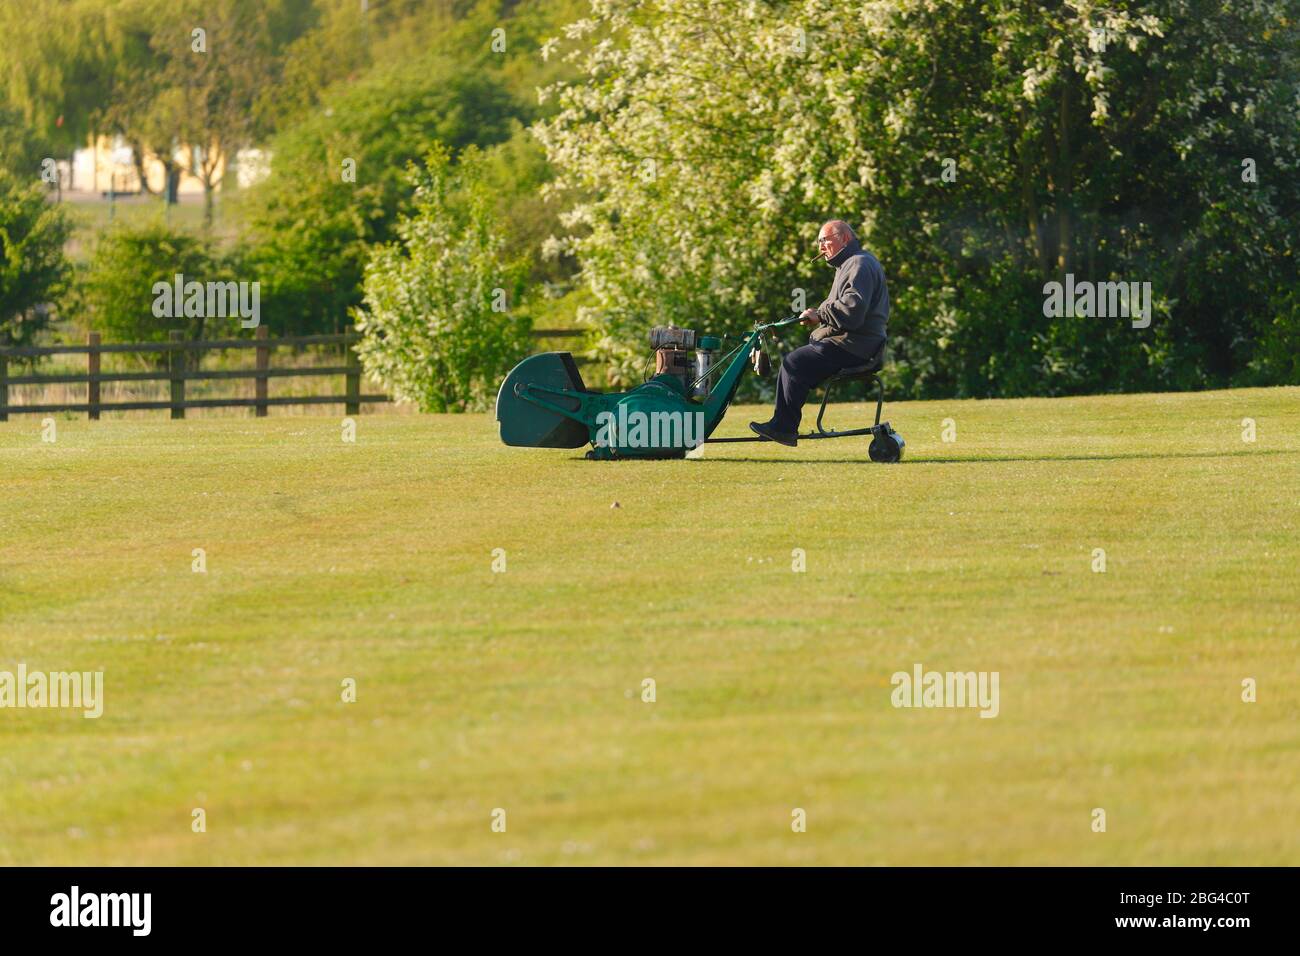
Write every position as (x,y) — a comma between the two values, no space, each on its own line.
(33,269)
(116,291)
(442,318)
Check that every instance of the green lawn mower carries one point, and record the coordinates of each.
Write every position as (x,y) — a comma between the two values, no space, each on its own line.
(544,404)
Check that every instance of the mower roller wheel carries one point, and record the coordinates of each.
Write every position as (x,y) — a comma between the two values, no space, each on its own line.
(886,447)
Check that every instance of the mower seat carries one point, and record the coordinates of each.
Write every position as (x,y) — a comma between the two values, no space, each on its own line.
(865,372)
(870,367)
(857,371)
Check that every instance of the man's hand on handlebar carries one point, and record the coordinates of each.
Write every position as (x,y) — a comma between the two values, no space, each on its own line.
(810,318)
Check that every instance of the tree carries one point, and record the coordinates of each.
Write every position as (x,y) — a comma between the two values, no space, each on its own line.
(337,47)
(337,180)
(188,74)
(33,270)
(137,103)
(54,66)
(211,80)
(22,149)
(983,149)
(441,317)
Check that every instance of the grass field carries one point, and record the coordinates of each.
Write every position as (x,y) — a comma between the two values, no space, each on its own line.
(91,213)
(522,690)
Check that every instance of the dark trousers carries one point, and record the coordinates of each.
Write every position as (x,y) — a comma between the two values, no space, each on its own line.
(802,370)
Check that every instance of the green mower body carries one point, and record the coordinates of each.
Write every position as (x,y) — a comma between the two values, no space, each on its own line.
(543,403)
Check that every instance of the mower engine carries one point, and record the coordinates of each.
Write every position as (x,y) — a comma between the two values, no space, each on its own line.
(678,354)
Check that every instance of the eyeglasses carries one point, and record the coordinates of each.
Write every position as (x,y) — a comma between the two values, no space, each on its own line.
(822,242)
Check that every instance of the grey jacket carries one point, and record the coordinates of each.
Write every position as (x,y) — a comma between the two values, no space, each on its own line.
(855,313)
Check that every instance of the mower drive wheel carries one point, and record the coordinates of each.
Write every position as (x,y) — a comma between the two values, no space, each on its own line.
(886,447)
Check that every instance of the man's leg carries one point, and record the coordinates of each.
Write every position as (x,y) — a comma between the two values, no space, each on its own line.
(802,370)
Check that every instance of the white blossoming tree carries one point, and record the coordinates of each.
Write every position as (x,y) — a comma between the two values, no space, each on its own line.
(981,149)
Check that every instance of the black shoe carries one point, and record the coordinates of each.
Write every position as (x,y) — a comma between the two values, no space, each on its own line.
(789,439)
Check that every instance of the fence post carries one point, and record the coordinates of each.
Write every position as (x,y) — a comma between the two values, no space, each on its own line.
(263,363)
(92,373)
(353,390)
(176,365)
(4,386)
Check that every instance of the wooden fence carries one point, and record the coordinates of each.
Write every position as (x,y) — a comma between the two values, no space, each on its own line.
(177,374)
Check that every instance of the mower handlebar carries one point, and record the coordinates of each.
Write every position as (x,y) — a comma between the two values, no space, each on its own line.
(776,325)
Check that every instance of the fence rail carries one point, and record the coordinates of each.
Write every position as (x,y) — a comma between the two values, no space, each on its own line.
(177,374)
(177,344)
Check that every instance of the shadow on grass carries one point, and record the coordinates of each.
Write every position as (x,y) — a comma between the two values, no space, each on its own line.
(999,460)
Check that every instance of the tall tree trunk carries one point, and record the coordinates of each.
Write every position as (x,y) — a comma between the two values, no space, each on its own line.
(1035,225)
(208,168)
(1029,203)
(1064,183)
(137,157)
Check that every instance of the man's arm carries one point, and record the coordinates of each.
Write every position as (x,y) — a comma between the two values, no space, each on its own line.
(849,312)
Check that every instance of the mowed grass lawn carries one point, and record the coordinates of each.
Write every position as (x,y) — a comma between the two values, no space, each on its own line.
(522,690)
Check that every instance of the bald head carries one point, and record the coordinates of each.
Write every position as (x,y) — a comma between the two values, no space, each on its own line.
(834,236)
